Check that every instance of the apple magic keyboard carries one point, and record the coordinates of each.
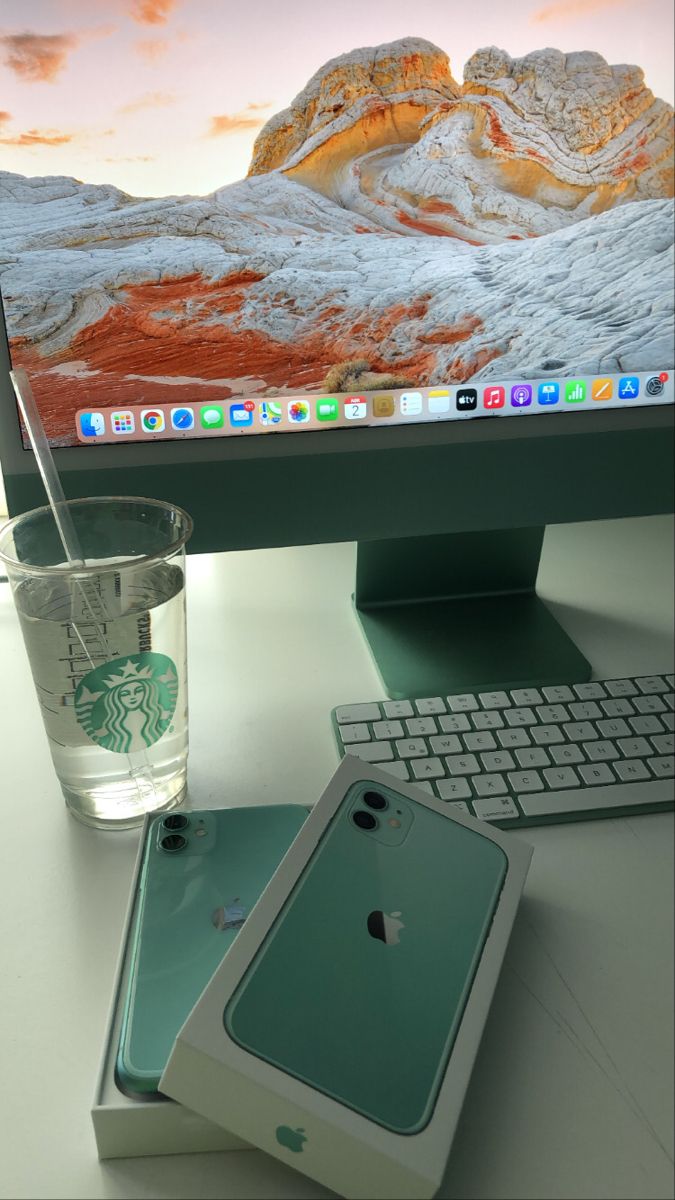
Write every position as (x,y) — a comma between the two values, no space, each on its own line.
(529,756)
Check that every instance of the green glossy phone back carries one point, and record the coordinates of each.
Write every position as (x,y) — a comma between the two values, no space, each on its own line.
(371,1022)
(192,903)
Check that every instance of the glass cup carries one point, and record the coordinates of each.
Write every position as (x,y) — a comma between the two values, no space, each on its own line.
(107,648)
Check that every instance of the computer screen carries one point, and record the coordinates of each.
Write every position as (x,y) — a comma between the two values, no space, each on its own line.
(367,273)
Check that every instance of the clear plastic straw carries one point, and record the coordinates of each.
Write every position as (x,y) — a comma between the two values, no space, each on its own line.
(92,603)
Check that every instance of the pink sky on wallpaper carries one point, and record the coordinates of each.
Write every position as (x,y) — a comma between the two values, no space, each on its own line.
(166,96)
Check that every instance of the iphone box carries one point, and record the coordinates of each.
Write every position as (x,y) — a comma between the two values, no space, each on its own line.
(128,1126)
(306,1128)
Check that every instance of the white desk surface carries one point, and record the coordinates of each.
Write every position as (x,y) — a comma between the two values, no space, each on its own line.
(572,1093)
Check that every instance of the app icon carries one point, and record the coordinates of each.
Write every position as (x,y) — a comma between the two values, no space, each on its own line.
(298,411)
(521,395)
(656,384)
(411,404)
(548,393)
(383,406)
(575,391)
(122,422)
(467,399)
(211,416)
(240,415)
(152,420)
(92,424)
(493,397)
(439,401)
(602,389)
(629,387)
(327,409)
(355,408)
(270,412)
(182,418)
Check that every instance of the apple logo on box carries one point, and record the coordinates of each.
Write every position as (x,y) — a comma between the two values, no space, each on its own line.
(291,1139)
(385,926)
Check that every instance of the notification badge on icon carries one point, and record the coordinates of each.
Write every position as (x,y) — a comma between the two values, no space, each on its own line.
(493,397)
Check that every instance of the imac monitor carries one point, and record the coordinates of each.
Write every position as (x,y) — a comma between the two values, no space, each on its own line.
(340,286)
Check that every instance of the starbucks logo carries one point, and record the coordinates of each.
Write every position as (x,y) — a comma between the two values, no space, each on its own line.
(127,705)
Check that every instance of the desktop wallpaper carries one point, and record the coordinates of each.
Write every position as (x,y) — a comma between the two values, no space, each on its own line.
(202,199)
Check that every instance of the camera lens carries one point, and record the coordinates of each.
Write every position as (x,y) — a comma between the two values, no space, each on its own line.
(173,842)
(374,800)
(364,820)
(175,821)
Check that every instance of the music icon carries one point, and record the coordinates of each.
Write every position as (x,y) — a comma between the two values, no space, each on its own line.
(493,397)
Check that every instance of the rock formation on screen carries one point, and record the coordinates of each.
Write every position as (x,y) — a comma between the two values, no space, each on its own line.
(394,229)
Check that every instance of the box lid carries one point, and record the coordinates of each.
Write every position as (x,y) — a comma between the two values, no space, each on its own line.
(302,1126)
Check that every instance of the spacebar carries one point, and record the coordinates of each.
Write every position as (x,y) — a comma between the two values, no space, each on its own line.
(609,795)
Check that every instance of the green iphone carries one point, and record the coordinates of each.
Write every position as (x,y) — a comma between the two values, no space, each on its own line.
(358,989)
(201,875)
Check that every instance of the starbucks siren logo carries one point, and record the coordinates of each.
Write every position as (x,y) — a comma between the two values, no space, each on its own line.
(127,704)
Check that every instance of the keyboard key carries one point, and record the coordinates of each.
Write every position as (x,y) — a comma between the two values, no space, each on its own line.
(371,751)
(561,777)
(600,751)
(520,716)
(484,740)
(533,756)
(552,713)
(509,739)
(607,796)
(453,789)
(525,781)
(463,808)
(558,694)
(427,708)
(501,808)
(634,747)
(397,708)
(614,727)
(630,769)
(487,720)
(585,710)
(589,691)
(462,764)
(526,696)
(464,702)
(649,684)
(664,743)
(669,699)
(567,754)
(348,714)
(580,731)
(497,760)
(647,724)
(418,726)
(670,680)
(490,785)
(546,735)
(621,687)
(597,773)
(454,723)
(619,708)
(494,699)
(412,748)
(397,768)
(354,733)
(387,729)
(427,768)
(662,767)
(668,719)
(446,743)
(649,704)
